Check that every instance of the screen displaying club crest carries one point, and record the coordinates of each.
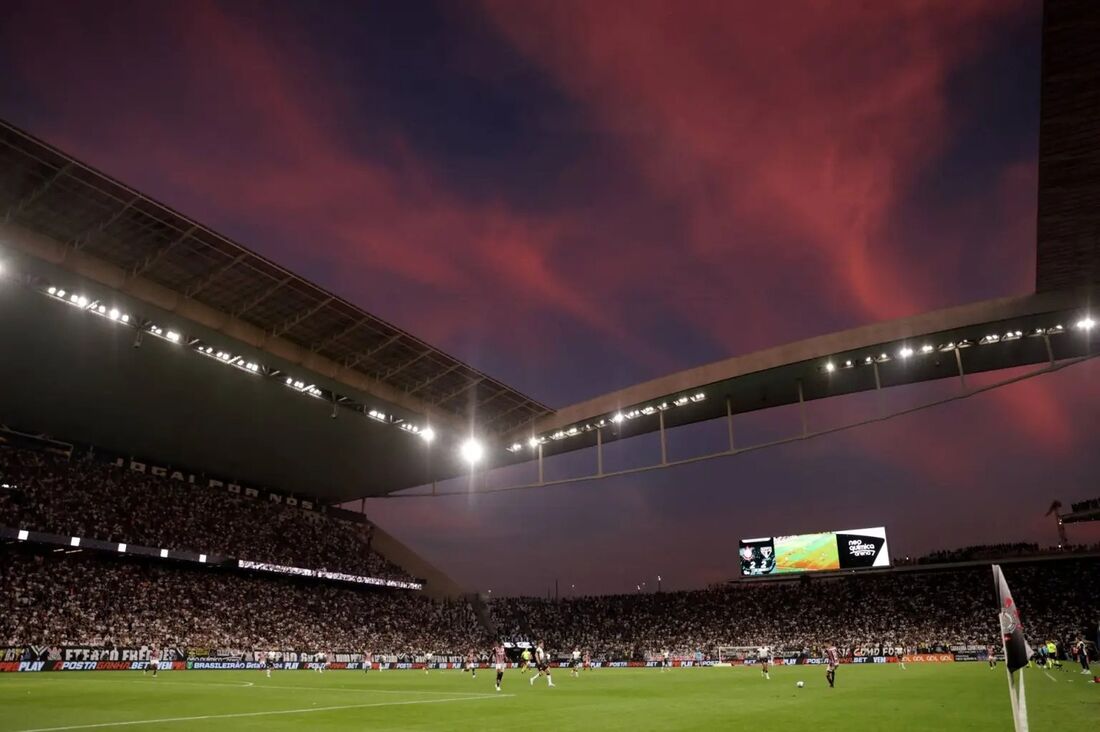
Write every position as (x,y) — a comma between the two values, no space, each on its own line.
(824,551)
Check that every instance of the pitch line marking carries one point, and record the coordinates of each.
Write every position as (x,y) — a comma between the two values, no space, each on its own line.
(472,694)
(238,715)
(1050,677)
(261,685)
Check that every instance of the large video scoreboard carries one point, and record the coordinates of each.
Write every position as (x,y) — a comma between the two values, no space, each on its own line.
(829,550)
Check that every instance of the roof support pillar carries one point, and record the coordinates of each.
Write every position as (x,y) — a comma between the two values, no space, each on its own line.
(541,481)
(802,407)
(878,386)
(959,363)
(599,451)
(664,442)
(729,423)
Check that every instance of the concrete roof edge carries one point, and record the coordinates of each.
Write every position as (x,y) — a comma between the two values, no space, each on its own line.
(821,346)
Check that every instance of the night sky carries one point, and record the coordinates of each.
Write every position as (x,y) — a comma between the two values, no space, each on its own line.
(575,197)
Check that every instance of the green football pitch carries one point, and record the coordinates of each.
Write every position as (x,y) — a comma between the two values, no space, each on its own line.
(882,697)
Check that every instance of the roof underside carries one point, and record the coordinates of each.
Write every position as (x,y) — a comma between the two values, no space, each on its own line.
(53,195)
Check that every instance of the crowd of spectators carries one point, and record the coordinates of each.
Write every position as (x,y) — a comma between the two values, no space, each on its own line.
(72,597)
(85,598)
(100,500)
(88,599)
(985,552)
(919,611)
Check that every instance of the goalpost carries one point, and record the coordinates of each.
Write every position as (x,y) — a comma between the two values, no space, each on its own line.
(731,655)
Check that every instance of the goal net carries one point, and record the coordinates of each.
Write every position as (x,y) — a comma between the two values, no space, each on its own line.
(730,655)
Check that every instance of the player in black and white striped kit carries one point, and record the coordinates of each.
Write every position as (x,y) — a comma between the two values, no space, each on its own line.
(542,663)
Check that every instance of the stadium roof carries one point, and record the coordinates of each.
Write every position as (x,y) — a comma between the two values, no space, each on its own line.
(87,224)
(980,337)
(51,194)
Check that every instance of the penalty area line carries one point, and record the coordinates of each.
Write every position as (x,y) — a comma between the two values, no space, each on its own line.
(238,715)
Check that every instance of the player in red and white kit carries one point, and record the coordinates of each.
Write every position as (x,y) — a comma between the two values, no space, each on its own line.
(587,661)
(471,664)
(154,661)
(367,659)
(832,660)
(500,661)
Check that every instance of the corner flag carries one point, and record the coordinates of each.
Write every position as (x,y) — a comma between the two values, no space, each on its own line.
(1017,651)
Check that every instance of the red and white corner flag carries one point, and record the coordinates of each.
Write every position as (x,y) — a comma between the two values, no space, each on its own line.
(1017,651)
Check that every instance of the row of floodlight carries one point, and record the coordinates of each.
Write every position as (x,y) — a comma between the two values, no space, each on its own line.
(91,306)
(1085,324)
(99,308)
(617,418)
(74,541)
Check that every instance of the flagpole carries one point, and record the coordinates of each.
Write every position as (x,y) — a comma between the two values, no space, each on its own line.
(1019,721)
(1016,697)
(1021,701)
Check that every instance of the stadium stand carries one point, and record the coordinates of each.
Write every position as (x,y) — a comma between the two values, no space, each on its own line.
(94,499)
(59,597)
(986,552)
(83,599)
(919,610)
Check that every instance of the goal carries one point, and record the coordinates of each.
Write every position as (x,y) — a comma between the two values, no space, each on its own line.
(730,655)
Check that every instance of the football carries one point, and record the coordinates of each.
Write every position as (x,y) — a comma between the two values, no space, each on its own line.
(800,684)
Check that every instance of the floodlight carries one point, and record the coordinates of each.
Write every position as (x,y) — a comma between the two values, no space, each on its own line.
(23,534)
(617,417)
(830,367)
(472,451)
(1086,323)
(926,348)
(122,547)
(173,336)
(427,434)
(905,352)
(533,442)
(52,290)
(202,558)
(163,553)
(114,314)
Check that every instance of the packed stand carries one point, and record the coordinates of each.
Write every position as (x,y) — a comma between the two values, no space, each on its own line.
(86,599)
(986,552)
(918,611)
(99,500)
